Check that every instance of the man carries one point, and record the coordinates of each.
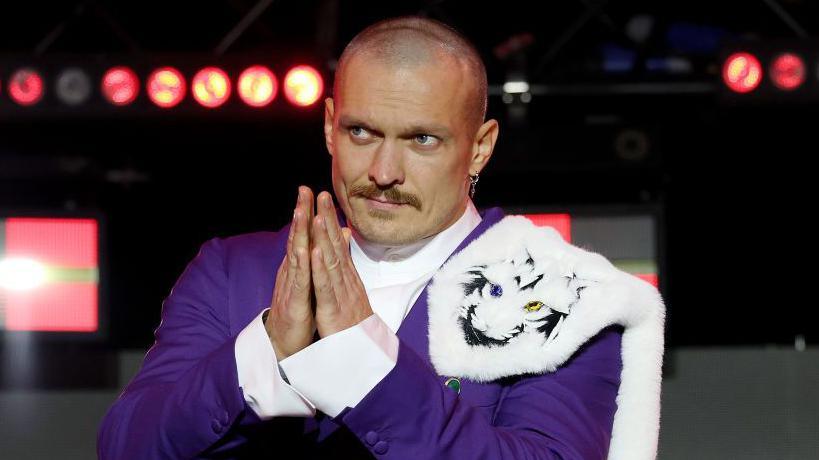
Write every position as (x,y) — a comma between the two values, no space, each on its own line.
(349,350)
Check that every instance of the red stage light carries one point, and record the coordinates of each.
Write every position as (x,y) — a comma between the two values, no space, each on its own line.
(788,71)
(26,87)
(120,86)
(166,87)
(742,72)
(258,86)
(211,87)
(303,85)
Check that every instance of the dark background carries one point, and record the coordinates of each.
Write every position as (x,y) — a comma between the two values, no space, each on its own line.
(733,178)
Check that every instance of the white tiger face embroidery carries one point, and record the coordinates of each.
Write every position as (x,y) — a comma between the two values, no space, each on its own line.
(519,296)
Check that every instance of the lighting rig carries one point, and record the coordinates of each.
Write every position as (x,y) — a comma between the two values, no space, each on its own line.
(173,84)
(771,71)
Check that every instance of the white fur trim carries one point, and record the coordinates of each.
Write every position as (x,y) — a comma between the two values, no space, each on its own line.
(609,296)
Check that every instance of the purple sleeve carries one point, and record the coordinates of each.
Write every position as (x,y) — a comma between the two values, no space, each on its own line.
(566,414)
(186,396)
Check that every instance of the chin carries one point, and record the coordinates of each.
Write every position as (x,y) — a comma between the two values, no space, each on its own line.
(381,226)
(391,229)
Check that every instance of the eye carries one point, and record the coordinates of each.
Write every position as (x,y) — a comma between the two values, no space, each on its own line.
(357,132)
(495,290)
(534,305)
(426,140)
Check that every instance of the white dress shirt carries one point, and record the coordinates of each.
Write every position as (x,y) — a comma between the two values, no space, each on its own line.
(339,370)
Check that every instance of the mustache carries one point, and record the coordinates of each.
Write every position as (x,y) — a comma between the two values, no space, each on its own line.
(392,194)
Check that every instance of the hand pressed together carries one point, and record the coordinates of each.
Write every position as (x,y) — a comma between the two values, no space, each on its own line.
(290,323)
(341,301)
(317,286)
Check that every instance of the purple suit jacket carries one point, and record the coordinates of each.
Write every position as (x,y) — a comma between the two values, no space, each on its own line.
(186,402)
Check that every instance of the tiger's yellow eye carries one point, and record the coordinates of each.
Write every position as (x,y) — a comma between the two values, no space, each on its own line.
(533,305)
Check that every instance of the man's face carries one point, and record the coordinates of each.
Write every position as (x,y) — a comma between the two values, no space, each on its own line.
(402,147)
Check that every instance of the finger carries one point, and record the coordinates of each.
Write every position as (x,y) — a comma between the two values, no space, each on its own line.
(328,253)
(291,239)
(308,202)
(304,213)
(351,276)
(301,275)
(297,277)
(283,273)
(328,211)
(291,234)
(321,281)
(299,308)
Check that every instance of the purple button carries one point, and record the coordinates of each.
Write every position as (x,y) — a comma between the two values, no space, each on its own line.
(381,447)
(371,438)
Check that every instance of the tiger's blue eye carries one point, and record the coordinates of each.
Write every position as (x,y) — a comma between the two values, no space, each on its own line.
(495,290)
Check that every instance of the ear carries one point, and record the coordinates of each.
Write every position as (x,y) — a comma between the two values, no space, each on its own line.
(483,146)
(329,110)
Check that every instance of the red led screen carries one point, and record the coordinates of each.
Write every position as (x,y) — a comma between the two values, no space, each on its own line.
(49,274)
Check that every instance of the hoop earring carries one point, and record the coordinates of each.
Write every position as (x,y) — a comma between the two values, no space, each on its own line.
(473,181)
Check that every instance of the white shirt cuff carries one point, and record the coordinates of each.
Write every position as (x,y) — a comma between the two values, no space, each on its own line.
(337,371)
(262,385)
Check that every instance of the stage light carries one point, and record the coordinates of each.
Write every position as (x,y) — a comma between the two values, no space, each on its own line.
(26,87)
(787,71)
(516,87)
(211,87)
(21,274)
(303,85)
(257,86)
(742,72)
(120,86)
(166,87)
(73,86)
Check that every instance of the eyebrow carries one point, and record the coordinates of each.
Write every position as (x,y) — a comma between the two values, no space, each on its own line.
(347,121)
(441,131)
(434,129)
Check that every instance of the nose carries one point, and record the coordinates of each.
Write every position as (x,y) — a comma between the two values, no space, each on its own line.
(387,167)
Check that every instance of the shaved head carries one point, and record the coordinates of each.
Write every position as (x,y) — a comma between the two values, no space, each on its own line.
(412,41)
(406,129)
